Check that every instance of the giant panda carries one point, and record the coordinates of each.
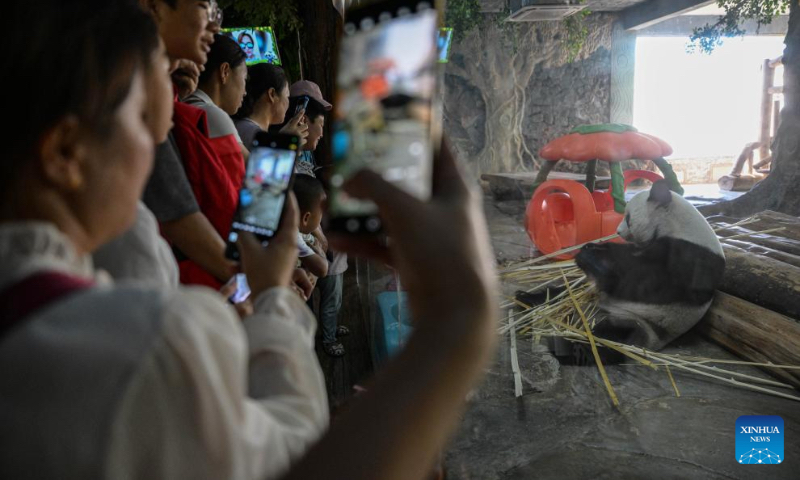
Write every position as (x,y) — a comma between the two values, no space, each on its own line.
(657,286)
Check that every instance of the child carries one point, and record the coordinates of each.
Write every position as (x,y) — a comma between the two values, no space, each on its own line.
(310,196)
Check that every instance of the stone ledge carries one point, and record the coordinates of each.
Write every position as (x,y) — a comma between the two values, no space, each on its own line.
(516,186)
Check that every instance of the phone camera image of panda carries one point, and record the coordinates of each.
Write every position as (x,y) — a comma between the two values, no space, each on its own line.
(657,286)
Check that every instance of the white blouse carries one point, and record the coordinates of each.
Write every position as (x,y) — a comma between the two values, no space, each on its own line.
(134,381)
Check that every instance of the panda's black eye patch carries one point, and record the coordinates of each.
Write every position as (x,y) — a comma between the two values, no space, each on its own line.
(628,219)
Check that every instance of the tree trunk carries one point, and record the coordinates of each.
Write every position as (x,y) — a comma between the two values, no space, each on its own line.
(780,190)
(322,25)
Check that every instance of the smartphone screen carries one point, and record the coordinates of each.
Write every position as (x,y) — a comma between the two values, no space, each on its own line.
(267,181)
(242,292)
(385,84)
(302,104)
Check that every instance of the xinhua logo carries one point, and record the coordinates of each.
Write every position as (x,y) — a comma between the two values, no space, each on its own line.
(759,440)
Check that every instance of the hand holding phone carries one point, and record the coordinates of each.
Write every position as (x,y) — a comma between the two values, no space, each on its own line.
(297,127)
(237,289)
(267,182)
(302,104)
(273,265)
(387,119)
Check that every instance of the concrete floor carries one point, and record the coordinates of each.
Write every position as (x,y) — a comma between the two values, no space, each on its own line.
(564,426)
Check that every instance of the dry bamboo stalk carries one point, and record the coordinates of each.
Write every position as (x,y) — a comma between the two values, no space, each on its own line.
(738,362)
(740,223)
(515,365)
(672,380)
(762,232)
(600,367)
(737,383)
(765,381)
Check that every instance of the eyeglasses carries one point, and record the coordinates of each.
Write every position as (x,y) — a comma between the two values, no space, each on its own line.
(246,45)
(214,13)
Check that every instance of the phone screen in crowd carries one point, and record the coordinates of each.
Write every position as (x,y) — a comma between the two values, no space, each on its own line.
(266,184)
(385,84)
(302,104)
(444,41)
(242,292)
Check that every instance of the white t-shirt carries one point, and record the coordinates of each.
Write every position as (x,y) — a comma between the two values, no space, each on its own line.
(305,250)
(141,381)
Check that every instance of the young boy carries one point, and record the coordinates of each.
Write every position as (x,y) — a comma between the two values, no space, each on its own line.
(329,288)
(310,196)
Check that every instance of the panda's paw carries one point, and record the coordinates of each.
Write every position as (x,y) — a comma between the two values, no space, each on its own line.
(593,260)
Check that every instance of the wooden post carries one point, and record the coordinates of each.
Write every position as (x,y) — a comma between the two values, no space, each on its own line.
(766,109)
(776,117)
(591,175)
(544,172)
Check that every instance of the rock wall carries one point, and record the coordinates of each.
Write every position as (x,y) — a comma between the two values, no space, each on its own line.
(510,90)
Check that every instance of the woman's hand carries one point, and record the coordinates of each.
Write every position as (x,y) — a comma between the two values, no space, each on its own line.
(302,284)
(273,265)
(440,248)
(185,75)
(296,126)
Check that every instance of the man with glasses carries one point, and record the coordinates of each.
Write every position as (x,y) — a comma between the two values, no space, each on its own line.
(187,28)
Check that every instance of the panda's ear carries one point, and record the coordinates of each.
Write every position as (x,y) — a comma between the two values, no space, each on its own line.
(660,193)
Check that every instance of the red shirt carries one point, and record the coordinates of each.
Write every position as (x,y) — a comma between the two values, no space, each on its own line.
(215,169)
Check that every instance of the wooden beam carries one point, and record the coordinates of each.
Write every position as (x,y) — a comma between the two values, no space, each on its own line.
(655,11)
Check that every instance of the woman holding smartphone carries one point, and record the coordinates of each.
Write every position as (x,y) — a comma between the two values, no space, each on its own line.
(265,104)
(104,380)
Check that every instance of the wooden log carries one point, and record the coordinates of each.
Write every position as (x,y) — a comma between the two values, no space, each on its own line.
(762,280)
(773,241)
(769,219)
(754,334)
(787,240)
(740,183)
(743,244)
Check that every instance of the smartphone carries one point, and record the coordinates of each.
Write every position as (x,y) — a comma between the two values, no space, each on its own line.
(242,292)
(302,104)
(386,116)
(268,178)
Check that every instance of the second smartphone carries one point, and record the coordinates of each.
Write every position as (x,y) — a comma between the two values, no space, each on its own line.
(267,181)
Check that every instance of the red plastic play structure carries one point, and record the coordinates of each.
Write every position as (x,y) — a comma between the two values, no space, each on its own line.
(565,213)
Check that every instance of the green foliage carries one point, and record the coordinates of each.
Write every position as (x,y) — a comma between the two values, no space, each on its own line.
(281,14)
(708,37)
(462,16)
(576,33)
